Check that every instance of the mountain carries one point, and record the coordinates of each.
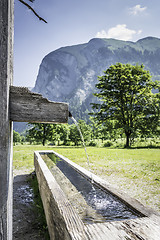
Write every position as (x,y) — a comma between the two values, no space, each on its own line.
(69,74)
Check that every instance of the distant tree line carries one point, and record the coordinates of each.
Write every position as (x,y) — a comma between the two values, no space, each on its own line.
(68,134)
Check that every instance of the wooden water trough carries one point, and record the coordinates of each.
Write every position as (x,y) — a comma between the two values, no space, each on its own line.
(64,223)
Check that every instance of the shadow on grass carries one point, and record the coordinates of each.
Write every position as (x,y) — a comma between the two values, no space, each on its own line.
(145,147)
(133,147)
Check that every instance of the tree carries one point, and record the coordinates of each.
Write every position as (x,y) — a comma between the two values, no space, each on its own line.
(126,95)
(108,131)
(94,128)
(41,132)
(74,135)
(16,137)
(62,133)
(85,129)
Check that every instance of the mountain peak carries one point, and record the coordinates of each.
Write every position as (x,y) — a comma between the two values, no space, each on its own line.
(150,43)
(149,38)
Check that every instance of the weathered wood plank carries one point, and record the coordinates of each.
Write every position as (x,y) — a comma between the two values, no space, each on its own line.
(146,228)
(63,221)
(6,76)
(26,106)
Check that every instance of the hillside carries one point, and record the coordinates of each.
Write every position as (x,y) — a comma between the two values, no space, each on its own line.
(69,74)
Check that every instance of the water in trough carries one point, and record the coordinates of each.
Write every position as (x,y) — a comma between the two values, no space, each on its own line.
(92,203)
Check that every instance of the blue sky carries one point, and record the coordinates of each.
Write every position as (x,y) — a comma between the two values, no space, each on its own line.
(73,22)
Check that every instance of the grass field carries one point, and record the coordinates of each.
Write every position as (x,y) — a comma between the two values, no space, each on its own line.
(135,171)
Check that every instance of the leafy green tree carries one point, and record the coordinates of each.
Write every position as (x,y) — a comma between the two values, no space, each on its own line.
(85,129)
(106,131)
(41,132)
(74,135)
(16,137)
(126,95)
(65,134)
(62,133)
(154,117)
(94,128)
(103,132)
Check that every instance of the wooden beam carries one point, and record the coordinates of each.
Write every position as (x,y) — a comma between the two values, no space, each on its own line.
(26,106)
(6,76)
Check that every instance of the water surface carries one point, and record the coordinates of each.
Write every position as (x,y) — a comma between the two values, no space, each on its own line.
(105,204)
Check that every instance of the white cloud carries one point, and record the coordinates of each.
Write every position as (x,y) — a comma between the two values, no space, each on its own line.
(120,32)
(137,9)
(139,32)
(102,34)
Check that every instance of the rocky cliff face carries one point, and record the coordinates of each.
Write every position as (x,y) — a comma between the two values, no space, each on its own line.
(70,73)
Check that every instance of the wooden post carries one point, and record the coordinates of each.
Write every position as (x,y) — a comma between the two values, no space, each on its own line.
(16,104)
(6,76)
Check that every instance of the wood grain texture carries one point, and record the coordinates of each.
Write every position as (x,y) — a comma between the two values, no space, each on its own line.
(63,221)
(135,229)
(6,76)
(26,106)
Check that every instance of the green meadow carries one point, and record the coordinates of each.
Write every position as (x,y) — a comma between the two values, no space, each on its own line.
(135,171)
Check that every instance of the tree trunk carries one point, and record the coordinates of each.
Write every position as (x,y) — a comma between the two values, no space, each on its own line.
(43,143)
(127,139)
(44,134)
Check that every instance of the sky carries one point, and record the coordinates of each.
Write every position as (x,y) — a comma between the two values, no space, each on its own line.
(71,22)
